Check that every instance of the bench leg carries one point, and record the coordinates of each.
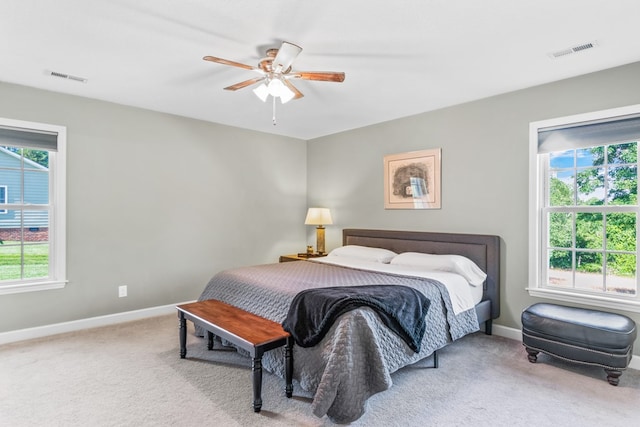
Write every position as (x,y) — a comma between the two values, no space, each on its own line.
(256,367)
(209,340)
(288,367)
(613,376)
(182,328)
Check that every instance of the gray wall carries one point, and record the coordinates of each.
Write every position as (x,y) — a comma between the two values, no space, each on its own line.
(484,168)
(158,203)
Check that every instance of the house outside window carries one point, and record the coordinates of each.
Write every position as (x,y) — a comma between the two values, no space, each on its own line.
(32,206)
(584,209)
(3,197)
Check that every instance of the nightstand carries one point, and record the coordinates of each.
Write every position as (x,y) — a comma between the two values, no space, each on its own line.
(299,257)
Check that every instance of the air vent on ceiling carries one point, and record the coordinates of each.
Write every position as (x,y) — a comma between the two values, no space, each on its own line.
(66,76)
(575,49)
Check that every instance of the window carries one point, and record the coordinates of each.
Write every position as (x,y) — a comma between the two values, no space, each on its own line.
(3,198)
(584,208)
(32,203)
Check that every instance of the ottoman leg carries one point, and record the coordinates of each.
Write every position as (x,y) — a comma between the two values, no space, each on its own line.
(532,355)
(613,376)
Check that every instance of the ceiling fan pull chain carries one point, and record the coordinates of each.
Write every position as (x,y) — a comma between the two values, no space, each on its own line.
(274,110)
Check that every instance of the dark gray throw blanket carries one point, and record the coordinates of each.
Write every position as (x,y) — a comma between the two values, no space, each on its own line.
(401,308)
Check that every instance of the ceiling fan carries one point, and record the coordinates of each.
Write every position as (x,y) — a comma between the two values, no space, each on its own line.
(275,74)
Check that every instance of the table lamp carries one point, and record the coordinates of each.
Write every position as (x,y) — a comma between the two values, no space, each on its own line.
(319,217)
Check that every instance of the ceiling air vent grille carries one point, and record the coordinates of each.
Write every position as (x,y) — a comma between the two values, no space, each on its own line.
(66,76)
(575,49)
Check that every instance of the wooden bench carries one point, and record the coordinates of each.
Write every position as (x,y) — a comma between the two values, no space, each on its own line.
(252,333)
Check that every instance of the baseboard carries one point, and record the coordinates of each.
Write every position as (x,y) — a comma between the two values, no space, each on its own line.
(127,316)
(92,322)
(506,332)
(516,334)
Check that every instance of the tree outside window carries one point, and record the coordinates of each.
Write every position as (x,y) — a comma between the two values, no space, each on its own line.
(592,214)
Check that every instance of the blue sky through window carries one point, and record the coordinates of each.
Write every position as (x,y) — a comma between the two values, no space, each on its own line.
(565,159)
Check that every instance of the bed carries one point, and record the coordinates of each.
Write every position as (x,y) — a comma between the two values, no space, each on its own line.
(358,354)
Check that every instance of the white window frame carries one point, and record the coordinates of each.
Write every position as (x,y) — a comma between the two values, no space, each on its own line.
(537,188)
(57,215)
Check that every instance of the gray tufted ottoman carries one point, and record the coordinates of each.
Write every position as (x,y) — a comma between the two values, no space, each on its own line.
(579,335)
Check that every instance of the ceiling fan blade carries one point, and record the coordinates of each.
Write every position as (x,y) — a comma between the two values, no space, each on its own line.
(227,62)
(244,83)
(323,76)
(287,53)
(294,89)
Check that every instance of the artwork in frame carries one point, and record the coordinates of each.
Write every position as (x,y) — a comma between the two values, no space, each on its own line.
(412,180)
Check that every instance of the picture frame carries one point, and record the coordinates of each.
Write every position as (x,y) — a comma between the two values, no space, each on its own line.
(412,180)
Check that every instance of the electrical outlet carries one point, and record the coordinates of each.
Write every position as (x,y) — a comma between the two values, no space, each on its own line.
(122,291)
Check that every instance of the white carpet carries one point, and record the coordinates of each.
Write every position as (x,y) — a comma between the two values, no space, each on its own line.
(131,375)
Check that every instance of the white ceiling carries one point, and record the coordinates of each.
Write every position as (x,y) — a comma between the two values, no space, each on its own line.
(400,57)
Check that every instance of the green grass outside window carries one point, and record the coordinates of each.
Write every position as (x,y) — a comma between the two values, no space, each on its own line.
(36,260)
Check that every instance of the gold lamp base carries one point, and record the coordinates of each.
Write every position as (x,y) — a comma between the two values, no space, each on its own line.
(320,239)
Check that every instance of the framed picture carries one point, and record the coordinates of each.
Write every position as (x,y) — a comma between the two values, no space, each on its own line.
(412,180)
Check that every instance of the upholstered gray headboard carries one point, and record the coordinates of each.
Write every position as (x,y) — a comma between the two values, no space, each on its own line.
(484,250)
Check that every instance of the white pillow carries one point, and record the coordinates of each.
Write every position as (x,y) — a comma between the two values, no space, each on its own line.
(366,253)
(452,263)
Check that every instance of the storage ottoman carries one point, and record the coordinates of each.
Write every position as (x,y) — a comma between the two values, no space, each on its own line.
(579,335)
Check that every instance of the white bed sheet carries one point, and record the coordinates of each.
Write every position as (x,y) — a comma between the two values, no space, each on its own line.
(464,296)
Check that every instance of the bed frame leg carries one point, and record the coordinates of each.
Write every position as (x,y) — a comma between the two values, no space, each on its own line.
(435,359)
(487,326)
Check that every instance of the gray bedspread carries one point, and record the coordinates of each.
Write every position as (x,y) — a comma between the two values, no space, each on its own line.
(357,356)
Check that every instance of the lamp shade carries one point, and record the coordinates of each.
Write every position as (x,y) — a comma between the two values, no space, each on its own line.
(286,95)
(318,216)
(262,92)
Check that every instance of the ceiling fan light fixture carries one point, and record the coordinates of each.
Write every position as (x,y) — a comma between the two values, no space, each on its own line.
(287,95)
(276,87)
(262,92)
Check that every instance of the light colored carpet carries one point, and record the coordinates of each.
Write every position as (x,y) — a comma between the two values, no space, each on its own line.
(131,375)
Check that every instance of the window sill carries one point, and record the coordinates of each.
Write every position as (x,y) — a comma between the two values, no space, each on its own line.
(597,301)
(31,287)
